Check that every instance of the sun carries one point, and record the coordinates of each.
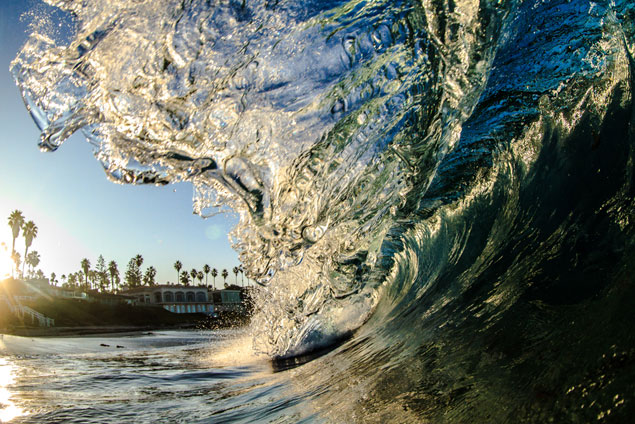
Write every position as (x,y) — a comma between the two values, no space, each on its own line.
(6,264)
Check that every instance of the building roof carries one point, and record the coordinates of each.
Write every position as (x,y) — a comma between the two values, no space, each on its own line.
(163,286)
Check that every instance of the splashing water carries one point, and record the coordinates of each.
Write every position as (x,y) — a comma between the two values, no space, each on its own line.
(312,121)
(422,170)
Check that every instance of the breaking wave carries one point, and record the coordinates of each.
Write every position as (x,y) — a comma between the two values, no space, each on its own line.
(449,181)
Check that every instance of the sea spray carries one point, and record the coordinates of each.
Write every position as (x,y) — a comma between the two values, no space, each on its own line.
(313,122)
(444,188)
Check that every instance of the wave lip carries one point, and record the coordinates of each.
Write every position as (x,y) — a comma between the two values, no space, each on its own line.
(357,141)
(313,122)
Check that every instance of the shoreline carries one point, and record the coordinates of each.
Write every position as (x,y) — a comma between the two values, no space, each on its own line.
(88,331)
(100,330)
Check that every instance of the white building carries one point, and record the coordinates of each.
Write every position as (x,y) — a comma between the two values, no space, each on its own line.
(189,299)
(177,299)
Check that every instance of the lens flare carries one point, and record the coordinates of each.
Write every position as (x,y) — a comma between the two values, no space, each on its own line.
(6,263)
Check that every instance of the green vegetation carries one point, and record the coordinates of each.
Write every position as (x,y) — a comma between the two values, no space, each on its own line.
(103,279)
(206,270)
(85,266)
(16,221)
(214,275)
(225,274)
(185,278)
(102,313)
(7,319)
(74,312)
(96,308)
(29,232)
(178,265)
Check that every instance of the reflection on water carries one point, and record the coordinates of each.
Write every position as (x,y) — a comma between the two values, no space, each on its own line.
(167,376)
(8,410)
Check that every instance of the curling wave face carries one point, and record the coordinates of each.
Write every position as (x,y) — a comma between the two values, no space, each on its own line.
(313,121)
(378,153)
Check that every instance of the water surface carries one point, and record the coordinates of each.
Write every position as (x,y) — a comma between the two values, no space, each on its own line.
(442,189)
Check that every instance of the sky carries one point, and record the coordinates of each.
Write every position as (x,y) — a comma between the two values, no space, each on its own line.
(78,212)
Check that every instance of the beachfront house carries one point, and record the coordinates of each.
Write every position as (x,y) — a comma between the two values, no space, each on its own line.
(177,299)
(188,299)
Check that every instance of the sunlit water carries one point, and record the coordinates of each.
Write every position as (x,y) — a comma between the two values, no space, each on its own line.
(156,377)
(442,190)
(8,409)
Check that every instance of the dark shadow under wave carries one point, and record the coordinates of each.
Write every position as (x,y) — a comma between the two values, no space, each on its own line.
(283,363)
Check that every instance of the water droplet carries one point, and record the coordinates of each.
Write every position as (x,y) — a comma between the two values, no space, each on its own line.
(339,106)
(313,233)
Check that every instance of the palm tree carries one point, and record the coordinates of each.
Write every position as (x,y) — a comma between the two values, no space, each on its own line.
(85,264)
(16,221)
(112,269)
(72,280)
(235,271)
(16,259)
(92,274)
(29,231)
(53,278)
(214,275)
(193,273)
(132,276)
(33,260)
(185,278)
(148,278)
(138,260)
(225,274)
(200,277)
(102,275)
(242,276)
(206,270)
(178,265)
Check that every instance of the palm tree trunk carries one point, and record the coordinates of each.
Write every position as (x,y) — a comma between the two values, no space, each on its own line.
(13,268)
(26,250)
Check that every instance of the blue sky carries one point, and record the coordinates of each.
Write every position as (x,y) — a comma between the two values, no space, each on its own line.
(80,213)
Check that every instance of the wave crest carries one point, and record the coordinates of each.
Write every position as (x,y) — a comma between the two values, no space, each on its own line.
(331,128)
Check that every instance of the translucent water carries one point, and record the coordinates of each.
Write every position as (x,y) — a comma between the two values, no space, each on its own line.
(443,188)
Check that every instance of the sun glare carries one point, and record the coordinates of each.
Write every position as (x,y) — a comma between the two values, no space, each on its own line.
(8,410)
(5,262)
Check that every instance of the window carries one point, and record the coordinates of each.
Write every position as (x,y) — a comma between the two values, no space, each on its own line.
(190,296)
(180,297)
(168,296)
(157,297)
(230,296)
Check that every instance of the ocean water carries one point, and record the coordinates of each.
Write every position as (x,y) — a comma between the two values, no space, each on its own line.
(436,197)
(168,376)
